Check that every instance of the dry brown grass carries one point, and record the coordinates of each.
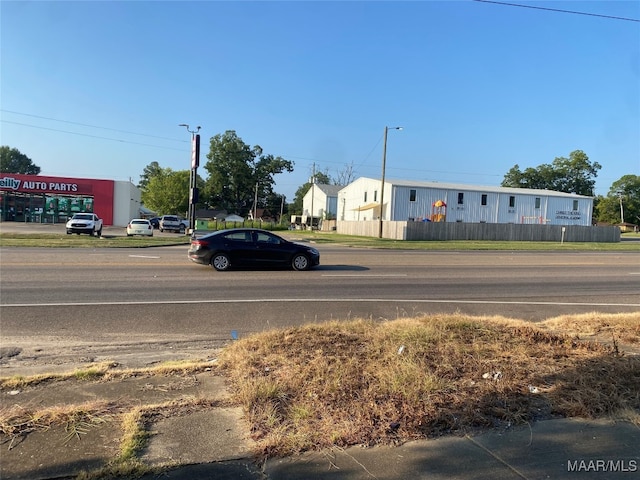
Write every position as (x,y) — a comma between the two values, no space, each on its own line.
(612,328)
(16,421)
(364,382)
(106,371)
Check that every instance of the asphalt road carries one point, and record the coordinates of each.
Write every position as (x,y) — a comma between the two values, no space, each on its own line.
(88,301)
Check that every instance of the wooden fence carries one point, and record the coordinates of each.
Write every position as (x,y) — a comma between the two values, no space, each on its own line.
(442,231)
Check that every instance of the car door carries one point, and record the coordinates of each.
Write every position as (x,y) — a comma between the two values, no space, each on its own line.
(270,249)
(240,247)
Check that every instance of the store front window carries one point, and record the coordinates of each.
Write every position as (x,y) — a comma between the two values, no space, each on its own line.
(21,207)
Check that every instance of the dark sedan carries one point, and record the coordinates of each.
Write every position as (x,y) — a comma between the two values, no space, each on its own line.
(225,249)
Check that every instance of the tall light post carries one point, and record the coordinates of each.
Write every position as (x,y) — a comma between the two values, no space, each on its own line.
(384,168)
(195,162)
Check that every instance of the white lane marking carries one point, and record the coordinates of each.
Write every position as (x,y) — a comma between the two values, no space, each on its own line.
(143,256)
(364,275)
(317,300)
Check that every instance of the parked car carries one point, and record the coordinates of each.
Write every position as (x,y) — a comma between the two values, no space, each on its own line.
(171,223)
(155,222)
(236,247)
(85,223)
(140,226)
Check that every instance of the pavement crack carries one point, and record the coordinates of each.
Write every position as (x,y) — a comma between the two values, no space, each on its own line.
(492,454)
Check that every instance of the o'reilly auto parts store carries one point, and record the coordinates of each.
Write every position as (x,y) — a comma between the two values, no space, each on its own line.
(36,198)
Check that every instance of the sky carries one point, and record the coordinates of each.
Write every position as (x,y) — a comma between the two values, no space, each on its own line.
(98,89)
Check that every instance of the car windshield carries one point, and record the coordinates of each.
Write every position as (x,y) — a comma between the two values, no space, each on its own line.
(83,216)
(139,222)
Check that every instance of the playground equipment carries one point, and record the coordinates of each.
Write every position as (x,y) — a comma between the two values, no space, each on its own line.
(438,211)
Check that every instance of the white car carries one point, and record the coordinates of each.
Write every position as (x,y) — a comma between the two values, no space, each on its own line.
(140,226)
(85,223)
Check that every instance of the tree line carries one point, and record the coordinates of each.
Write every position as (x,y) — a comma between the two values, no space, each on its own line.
(239,175)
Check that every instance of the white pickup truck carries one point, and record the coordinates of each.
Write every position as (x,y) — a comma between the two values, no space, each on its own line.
(85,223)
(171,223)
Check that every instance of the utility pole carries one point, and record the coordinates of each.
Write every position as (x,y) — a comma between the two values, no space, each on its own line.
(281,209)
(384,167)
(313,192)
(255,205)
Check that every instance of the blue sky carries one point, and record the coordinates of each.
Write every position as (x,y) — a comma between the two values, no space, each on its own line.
(97,89)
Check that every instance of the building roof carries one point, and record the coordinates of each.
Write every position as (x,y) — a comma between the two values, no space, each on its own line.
(476,188)
(329,190)
(211,214)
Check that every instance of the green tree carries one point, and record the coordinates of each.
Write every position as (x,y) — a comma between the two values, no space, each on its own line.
(168,192)
(277,203)
(575,174)
(622,200)
(148,173)
(239,173)
(13,161)
(296,207)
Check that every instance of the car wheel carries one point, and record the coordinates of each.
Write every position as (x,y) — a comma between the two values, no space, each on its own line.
(221,262)
(300,262)
(161,230)
(68,232)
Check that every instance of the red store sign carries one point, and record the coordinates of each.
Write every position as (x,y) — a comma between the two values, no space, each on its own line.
(102,191)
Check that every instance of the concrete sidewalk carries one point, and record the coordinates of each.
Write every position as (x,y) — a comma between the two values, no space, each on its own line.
(212,441)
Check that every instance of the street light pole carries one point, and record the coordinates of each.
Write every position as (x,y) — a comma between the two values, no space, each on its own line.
(384,168)
(195,162)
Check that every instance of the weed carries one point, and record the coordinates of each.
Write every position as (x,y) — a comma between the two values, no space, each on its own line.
(359,381)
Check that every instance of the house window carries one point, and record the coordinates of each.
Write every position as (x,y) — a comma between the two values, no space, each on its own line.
(512,201)
(483,199)
(412,195)
(375,195)
(365,197)
(575,205)
(537,202)
(460,198)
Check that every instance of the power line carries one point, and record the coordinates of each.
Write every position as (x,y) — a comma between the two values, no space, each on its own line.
(90,126)
(574,12)
(93,136)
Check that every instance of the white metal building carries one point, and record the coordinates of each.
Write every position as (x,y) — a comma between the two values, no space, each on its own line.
(322,199)
(444,202)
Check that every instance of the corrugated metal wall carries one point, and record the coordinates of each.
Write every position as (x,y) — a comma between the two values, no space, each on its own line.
(404,203)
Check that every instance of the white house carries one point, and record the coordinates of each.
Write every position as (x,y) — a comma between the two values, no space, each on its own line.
(323,200)
(445,202)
